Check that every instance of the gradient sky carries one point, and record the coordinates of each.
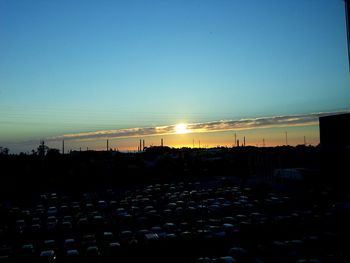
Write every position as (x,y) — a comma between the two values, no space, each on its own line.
(84,66)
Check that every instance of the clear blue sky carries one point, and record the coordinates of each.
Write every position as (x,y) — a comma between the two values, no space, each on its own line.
(79,66)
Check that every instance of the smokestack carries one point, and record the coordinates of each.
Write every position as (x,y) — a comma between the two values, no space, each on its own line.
(143,145)
(107,146)
(237,143)
(140,146)
(62,146)
(161,142)
(244,141)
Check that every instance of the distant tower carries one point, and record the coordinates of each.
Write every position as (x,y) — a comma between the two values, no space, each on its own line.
(62,146)
(107,145)
(140,146)
(244,141)
(161,142)
(143,145)
(237,143)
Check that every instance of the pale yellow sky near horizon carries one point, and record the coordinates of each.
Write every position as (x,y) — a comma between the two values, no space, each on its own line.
(254,137)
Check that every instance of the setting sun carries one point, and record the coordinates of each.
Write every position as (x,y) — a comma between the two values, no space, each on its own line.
(181,128)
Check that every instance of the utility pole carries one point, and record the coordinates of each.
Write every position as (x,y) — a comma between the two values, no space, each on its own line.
(347,14)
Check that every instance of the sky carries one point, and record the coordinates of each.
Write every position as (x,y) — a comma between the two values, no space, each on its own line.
(73,69)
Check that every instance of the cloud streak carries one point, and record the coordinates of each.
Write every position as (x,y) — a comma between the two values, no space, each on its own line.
(215,126)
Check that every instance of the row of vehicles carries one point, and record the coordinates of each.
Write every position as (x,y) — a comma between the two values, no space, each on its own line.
(179,222)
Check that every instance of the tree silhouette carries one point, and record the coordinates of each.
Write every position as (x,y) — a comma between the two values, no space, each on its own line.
(4,150)
(52,152)
(42,149)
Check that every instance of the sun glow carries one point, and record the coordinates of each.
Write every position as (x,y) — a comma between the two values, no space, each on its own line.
(181,128)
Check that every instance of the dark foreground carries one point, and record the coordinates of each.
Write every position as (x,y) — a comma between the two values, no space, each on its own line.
(212,221)
(165,205)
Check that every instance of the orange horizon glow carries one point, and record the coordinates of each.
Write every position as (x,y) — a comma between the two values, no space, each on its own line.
(268,137)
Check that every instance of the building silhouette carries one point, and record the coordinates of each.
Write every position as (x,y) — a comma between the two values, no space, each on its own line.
(335,131)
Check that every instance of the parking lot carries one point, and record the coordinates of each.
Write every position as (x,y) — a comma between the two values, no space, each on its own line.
(177,222)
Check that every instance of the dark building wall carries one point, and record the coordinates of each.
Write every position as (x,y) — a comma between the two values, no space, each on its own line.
(335,131)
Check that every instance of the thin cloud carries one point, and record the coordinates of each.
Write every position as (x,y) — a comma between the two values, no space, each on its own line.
(223,125)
